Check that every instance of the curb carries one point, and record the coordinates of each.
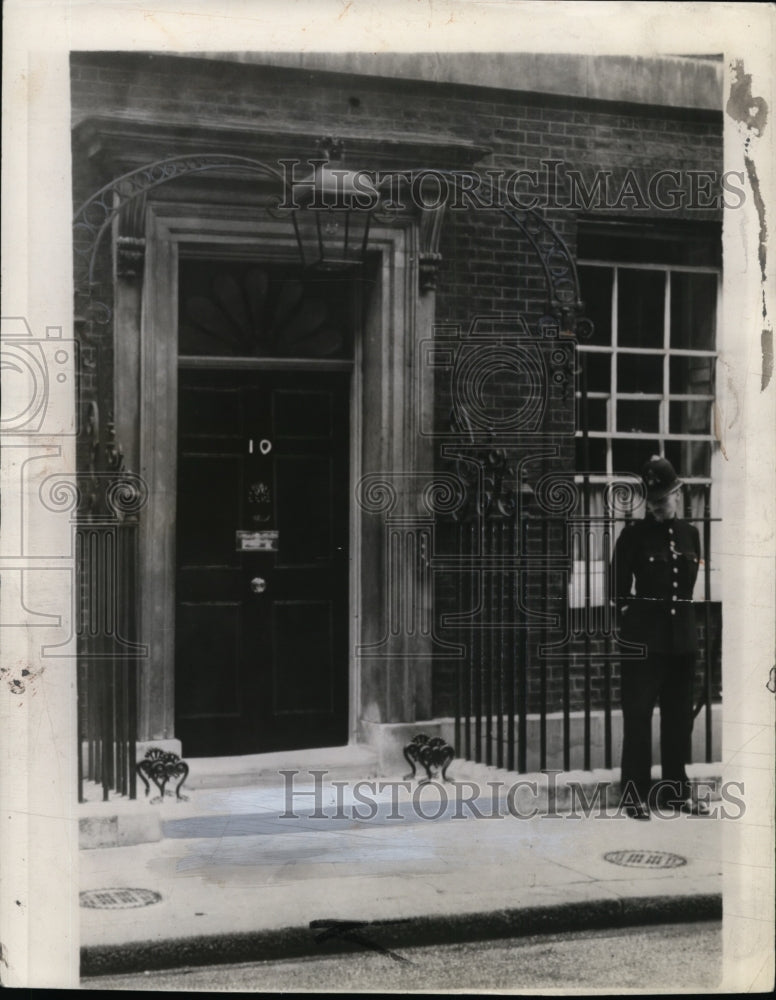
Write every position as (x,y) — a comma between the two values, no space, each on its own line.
(340,936)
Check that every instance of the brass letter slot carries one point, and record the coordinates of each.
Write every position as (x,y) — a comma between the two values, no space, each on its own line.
(256,541)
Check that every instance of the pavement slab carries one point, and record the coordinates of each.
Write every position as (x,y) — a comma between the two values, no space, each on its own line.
(237,876)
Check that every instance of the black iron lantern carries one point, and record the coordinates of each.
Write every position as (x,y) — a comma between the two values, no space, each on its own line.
(333,213)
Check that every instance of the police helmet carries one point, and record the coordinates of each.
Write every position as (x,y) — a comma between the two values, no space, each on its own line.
(659,478)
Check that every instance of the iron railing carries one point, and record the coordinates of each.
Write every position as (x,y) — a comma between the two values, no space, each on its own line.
(537,654)
(106,559)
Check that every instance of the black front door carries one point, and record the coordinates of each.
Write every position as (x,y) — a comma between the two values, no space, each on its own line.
(262,561)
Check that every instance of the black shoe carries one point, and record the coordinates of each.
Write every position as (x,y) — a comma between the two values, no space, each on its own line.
(637,811)
(694,807)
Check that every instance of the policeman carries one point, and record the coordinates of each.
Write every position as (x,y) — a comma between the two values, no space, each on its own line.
(661,553)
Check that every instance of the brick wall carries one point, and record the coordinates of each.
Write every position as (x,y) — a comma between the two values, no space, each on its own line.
(486,266)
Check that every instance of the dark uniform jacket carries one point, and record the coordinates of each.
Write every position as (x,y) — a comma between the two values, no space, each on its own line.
(663,559)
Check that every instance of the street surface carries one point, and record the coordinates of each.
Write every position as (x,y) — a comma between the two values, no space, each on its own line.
(669,958)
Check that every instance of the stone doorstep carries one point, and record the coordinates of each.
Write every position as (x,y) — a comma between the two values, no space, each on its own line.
(122,822)
(356,760)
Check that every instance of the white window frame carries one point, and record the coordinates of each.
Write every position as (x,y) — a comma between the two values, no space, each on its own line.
(610,434)
(614,350)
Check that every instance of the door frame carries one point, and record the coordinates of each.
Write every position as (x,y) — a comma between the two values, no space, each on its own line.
(396,317)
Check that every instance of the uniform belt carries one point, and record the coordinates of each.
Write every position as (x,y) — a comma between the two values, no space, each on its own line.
(661,600)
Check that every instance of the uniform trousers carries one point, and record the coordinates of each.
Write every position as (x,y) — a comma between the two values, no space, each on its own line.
(667,679)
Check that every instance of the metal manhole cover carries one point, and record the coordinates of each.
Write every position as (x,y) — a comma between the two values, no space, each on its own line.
(645,859)
(118,899)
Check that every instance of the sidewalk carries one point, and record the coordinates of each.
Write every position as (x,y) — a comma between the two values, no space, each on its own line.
(242,876)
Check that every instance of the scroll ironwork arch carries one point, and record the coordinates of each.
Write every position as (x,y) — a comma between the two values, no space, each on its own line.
(550,249)
(95,216)
(90,224)
(560,269)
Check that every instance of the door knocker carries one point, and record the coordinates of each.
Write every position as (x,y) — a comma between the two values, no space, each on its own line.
(259,496)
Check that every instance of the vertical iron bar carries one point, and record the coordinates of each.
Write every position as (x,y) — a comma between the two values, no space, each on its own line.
(113,748)
(132,635)
(121,723)
(489,647)
(707,614)
(107,719)
(566,711)
(128,741)
(569,656)
(101,716)
(469,577)
(477,640)
(80,688)
(585,415)
(606,559)
(93,720)
(588,650)
(108,669)
(511,612)
(458,528)
(122,598)
(84,729)
(100,584)
(132,720)
(607,704)
(99,686)
(542,659)
(90,693)
(522,666)
(90,721)
(500,581)
(496,637)
(113,624)
(107,562)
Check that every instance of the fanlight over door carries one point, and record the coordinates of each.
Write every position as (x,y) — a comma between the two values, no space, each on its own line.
(249,310)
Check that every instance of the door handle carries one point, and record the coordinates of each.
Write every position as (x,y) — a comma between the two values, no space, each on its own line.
(258,585)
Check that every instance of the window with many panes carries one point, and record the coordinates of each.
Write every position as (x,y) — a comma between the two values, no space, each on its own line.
(652,293)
